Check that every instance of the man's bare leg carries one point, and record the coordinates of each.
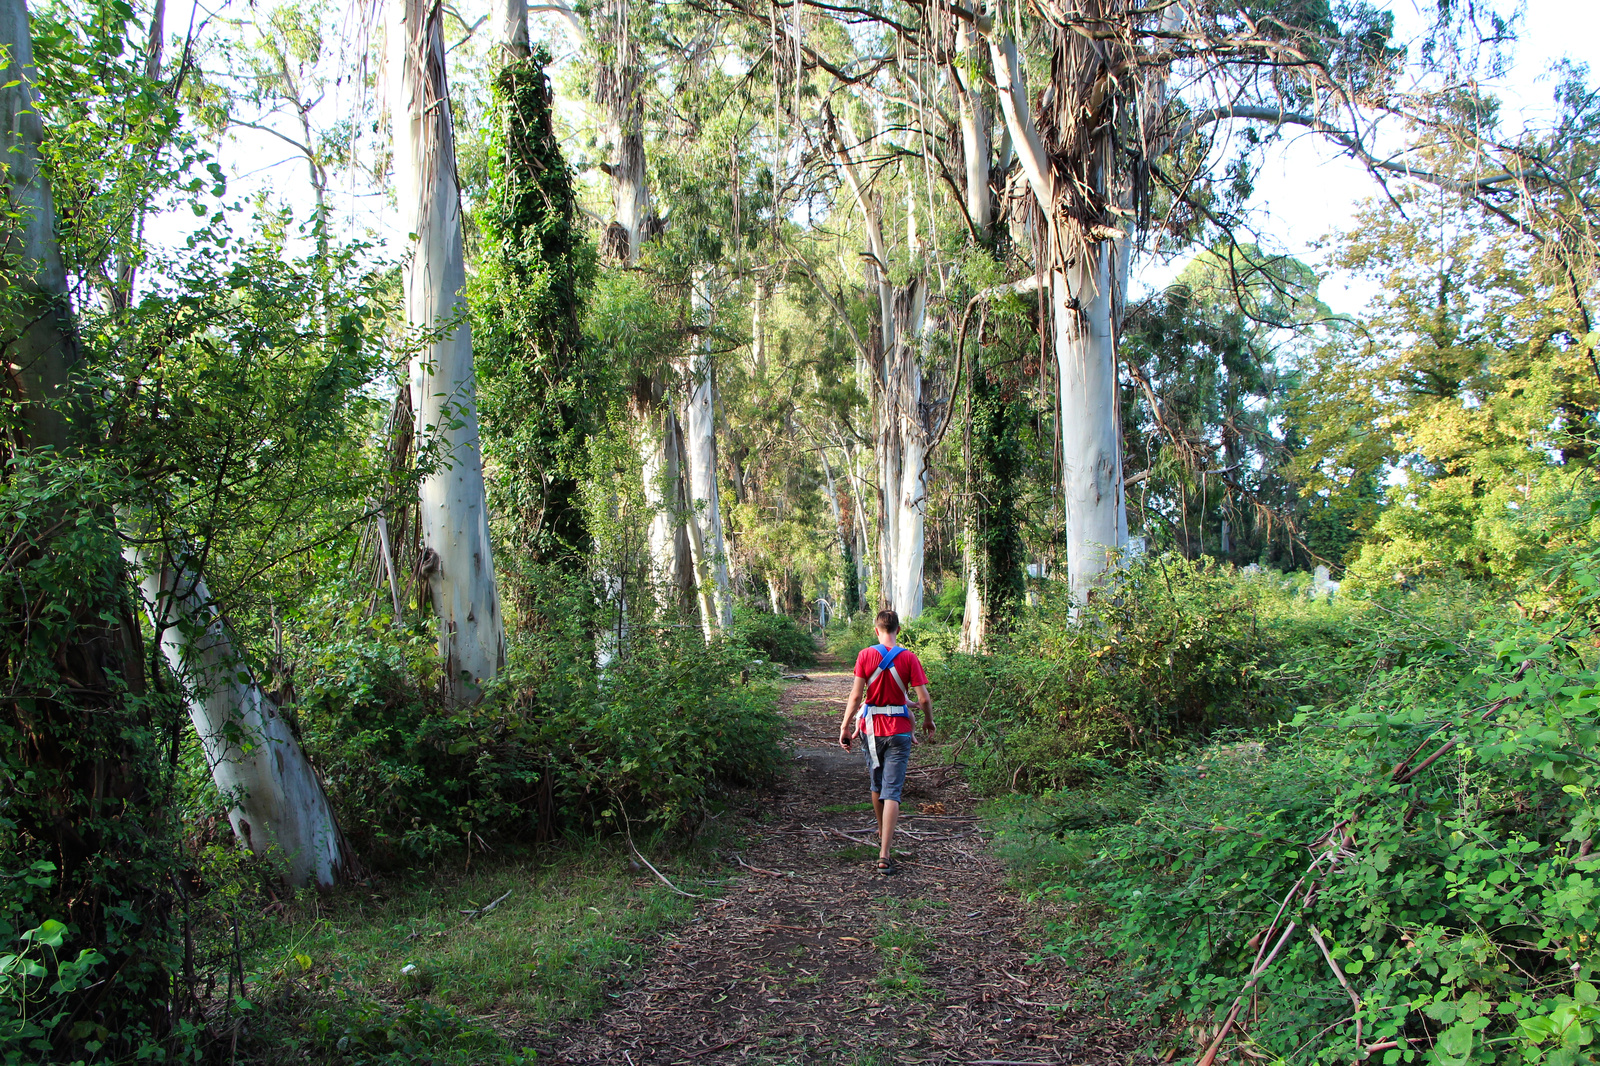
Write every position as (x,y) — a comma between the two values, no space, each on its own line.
(888,818)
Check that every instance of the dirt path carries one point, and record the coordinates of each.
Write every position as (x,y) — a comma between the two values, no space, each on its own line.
(812,957)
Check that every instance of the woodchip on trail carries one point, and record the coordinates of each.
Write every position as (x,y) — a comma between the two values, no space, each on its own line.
(807,962)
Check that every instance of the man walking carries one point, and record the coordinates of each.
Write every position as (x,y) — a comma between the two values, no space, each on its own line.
(886,676)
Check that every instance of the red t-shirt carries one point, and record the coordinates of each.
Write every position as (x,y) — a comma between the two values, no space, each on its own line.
(885,693)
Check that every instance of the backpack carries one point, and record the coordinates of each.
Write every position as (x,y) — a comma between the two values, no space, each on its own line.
(886,658)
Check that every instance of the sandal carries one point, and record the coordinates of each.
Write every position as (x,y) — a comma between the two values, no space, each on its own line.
(886,867)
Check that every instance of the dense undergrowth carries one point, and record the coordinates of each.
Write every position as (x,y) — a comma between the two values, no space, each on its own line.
(1183,648)
(529,803)
(1393,834)
(556,747)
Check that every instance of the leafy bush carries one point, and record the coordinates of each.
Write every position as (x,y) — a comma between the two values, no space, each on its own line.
(556,745)
(848,637)
(36,983)
(1430,825)
(1181,648)
(776,637)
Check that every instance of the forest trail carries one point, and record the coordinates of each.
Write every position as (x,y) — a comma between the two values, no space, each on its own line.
(812,957)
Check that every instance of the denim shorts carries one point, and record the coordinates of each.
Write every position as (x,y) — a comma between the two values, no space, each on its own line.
(894,755)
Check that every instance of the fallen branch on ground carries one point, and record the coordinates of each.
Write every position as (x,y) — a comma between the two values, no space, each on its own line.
(479,912)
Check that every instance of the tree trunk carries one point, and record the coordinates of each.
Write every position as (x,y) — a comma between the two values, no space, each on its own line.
(454,512)
(700,425)
(278,807)
(975,124)
(863,568)
(661,454)
(902,444)
(618,90)
(1083,301)
(758,332)
(41,342)
(900,434)
(1091,440)
(81,742)
(510,18)
(833,503)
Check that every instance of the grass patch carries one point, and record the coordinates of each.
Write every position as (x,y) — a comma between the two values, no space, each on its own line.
(1039,837)
(901,944)
(845,808)
(398,972)
(856,853)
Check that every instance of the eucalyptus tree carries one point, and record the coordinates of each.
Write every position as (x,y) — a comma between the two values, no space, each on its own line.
(88,831)
(276,803)
(457,555)
(704,517)
(544,389)
(902,422)
(1206,417)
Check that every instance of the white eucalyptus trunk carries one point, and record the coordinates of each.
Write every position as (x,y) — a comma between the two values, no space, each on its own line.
(900,435)
(667,537)
(902,444)
(758,332)
(510,18)
(974,120)
(40,342)
(863,568)
(700,438)
(1084,300)
(631,195)
(454,511)
(621,99)
(1091,440)
(277,805)
(974,619)
(833,502)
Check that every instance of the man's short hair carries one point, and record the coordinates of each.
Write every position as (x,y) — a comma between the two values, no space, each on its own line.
(888,621)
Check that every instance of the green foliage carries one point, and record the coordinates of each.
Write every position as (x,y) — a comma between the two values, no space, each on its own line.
(555,746)
(774,637)
(1467,393)
(87,832)
(1207,413)
(901,941)
(368,1033)
(240,392)
(37,987)
(845,639)
(1460,903)
(115,142)
(997,414)
(542,389)
(1179,649)
(567,928)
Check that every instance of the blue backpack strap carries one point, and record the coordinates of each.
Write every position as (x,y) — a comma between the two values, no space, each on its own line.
(886,657)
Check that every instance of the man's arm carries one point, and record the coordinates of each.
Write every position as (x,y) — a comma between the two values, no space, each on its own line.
(925,701)
(847,726)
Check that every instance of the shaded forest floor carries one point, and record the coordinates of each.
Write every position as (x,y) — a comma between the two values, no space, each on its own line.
(810,956)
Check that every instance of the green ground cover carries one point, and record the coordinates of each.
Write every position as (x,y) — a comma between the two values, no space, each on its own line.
(1409,780)
(411,971)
